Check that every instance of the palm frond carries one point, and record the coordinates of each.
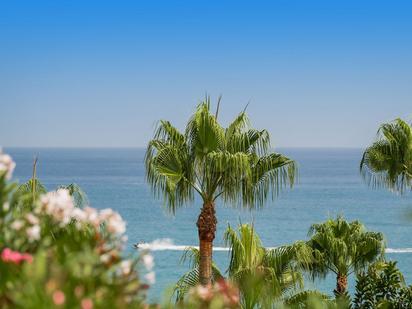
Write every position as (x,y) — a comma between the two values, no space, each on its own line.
(388,161)
(28,192)
(203,133)
(191,278)
(263,276)
(303,299)
(270,174)
(169,173)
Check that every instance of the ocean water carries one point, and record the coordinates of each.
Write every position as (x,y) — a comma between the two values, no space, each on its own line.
(329,184)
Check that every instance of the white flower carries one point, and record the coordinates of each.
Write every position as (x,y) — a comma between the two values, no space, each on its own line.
(32,219)
(7,165)
(116,225)
(105,258)
(148,261)
(33,233)
(114,222)
(106,214)
(92,216)
(79,215)
(17,225)
(59,205)
(126,267)
(150,277)
(6,206)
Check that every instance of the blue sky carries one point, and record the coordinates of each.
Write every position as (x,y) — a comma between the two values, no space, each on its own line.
(101,73)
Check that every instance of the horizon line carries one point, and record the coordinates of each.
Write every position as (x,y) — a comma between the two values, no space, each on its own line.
(143,147)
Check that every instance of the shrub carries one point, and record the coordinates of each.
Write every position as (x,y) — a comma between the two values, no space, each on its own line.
(54,254)
(382,286)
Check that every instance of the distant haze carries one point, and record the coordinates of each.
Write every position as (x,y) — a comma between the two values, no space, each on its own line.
(100,73)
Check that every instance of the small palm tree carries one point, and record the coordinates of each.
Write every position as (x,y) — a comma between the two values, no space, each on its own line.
(233,163)
(29,191)
(343,248)
(264,276)
(388,161)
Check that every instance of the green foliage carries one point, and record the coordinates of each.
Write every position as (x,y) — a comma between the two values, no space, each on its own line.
(343,300)
(310,299)
(28,192)
(382,286)
(233,163)
(33,188)
(388,161)
(221,294)
(343,247)
(263,276)
(53,254)
(191,278)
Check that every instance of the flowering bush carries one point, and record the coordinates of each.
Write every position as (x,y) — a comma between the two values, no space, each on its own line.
(221,295)
(55,255)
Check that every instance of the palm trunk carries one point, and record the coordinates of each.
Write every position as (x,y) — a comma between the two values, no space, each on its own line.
(206,226)
(341,284)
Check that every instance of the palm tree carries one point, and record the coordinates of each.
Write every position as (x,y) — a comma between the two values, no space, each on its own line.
(232,163)
(264,276)
(31,190)
(388,161)
(343,248)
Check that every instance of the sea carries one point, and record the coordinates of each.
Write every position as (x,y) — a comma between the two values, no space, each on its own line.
(329,184)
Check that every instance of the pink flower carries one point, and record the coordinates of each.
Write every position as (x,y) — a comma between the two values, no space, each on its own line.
(204,292)
(27,257)
(87,303)
(59,298)
(10,256)
(229,292)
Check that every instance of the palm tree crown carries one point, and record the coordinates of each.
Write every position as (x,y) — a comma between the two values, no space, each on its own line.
(233,163)
(388,161)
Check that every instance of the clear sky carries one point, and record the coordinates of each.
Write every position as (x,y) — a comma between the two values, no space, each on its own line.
(101,73)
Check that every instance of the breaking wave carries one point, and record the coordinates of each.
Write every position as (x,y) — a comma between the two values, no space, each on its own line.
(168,244)
(164,244)
(398,250)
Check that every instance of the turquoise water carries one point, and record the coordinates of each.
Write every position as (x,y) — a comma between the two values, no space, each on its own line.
(329,184)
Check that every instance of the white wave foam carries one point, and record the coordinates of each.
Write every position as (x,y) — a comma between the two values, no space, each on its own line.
(164,244)
(398,250)
(168,244)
